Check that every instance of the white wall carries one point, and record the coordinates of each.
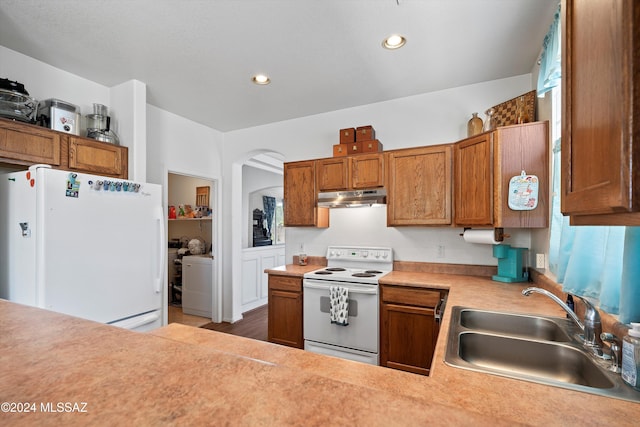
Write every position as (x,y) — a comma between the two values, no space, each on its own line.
(179,145)
(126,102)
(43,81)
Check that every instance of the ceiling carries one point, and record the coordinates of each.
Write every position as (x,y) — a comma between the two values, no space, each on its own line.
(197,57)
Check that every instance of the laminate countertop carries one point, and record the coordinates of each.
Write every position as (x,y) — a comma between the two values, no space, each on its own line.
(60,370)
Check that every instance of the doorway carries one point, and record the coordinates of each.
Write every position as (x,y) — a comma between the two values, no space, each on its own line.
(193,291)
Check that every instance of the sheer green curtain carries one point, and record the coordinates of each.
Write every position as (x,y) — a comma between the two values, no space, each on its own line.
(598,262)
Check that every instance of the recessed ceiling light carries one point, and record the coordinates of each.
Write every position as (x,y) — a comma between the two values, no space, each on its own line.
(261,79)
(394,41)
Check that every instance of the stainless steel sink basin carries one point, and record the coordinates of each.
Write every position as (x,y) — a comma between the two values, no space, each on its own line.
(535,359)
(518,325)
(534,348)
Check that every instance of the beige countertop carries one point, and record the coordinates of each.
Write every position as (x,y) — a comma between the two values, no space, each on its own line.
(184,375)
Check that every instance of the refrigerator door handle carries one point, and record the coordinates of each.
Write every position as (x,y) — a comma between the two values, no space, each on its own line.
(162,254)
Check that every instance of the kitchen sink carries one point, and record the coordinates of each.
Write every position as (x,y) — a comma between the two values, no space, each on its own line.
(518,325)
(535,359)
(542,349)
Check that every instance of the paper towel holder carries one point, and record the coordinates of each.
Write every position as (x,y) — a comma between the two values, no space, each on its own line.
(498,234)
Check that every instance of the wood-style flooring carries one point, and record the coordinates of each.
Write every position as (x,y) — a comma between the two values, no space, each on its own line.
(175,315)
(253,325)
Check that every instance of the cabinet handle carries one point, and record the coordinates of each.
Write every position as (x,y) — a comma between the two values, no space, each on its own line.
(439,310)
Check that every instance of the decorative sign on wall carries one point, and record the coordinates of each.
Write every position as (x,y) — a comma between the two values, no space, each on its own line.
(523,192)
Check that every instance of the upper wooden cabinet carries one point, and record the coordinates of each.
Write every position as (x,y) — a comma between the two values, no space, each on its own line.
(97,157)
(301,196)
(332,174)
(367,171)
(419,186)
(350,173)
(601,111)
(24,144)
(483,167)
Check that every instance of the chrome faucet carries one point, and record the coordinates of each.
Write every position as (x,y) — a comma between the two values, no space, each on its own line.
(592,326)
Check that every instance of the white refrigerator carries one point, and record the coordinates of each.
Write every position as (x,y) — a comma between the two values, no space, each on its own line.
(88,246)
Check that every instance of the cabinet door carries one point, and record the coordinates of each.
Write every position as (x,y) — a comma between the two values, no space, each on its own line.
(98,157)
(367,171)
(473,177)
(332,174)
(26,144)
(300,197)
(600,111)
(285,318)
(408,338)
(419,186)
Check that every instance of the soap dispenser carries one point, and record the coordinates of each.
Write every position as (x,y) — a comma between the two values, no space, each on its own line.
(631,357)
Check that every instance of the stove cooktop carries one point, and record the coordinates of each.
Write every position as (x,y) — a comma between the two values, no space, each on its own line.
(354,264)
(356,275)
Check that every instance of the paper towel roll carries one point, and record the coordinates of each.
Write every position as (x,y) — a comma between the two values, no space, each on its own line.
(485,237)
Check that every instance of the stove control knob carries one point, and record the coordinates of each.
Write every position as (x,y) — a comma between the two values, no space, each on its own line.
(365,254)
(332,254)
(385,255)
(377,254)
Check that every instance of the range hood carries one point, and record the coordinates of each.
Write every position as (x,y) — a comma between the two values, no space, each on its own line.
(353,199)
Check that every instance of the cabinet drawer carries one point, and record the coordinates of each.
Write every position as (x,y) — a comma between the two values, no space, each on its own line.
(285,283)
(30,146)
(411,296)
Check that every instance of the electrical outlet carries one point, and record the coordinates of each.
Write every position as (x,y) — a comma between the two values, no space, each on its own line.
(440,251)
(540,261)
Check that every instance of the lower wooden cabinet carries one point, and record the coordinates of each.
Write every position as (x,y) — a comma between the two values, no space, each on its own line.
(285,311)
(409,327)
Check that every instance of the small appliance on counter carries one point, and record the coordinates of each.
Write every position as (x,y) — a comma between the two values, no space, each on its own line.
(59,115)
(15,102)
(511,265)
(99,125)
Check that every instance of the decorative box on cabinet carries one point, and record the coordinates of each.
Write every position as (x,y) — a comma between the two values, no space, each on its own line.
(409,327)
(419,186)
(600,112)
(483,167)
(285,311)
(301,196)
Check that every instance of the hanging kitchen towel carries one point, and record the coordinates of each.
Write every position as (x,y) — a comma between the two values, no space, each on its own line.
(339,305)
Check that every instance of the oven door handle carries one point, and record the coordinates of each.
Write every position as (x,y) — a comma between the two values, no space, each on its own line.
(351,289)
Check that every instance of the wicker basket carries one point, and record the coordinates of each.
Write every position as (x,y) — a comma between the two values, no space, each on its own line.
(506,113)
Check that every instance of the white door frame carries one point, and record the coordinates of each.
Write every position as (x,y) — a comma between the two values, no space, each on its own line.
(216,238)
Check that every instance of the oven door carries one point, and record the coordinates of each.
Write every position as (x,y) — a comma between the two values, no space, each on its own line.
(363,329)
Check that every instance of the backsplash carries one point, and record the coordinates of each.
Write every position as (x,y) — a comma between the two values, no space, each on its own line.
(368,227)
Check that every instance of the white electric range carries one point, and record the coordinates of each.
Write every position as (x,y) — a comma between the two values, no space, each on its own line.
(357,270)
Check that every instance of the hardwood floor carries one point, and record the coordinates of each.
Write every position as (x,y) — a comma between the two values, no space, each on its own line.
(175,315)
(253,325)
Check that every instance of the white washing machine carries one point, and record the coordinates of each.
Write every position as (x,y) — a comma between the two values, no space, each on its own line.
(196,285)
